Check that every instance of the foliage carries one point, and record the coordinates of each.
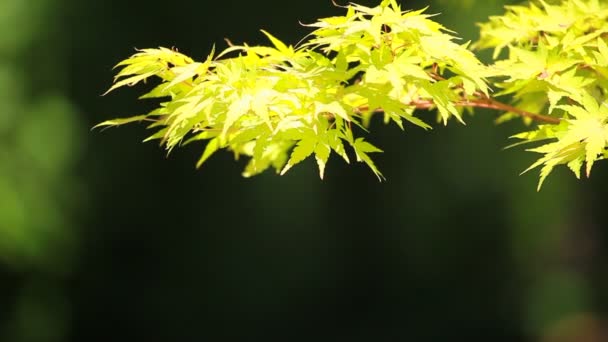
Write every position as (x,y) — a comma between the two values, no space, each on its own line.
(281,104)
(35,176)
(39,144)
(557,63)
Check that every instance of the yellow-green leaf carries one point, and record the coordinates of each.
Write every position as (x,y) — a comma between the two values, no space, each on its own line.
(303,149)
(212,146)
(322,151)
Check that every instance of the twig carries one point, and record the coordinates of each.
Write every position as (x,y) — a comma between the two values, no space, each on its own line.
(482,103)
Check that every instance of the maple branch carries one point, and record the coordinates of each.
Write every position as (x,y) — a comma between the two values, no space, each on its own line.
(493,104)
(497,105)
(483,103)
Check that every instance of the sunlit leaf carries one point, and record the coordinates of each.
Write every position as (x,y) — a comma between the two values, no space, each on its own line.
(322,151)
(212,146)
(303,149)
(121,121)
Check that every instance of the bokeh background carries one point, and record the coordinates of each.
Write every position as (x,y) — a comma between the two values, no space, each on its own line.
(105,238)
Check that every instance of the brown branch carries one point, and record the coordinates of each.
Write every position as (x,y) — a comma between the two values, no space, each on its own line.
(483,103)
(493,104)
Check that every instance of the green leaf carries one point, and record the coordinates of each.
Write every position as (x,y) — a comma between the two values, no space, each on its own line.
(443,99)
(335,143)
(201,136)
(121,121)
(158,135)
(187,72)
(212,146)
(279,44)
(322,151)
(131,81)
(362,148)
(236,109)
(158,91)
(575,166)
(303,149)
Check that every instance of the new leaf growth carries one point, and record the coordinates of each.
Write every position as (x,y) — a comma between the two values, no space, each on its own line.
(281,104)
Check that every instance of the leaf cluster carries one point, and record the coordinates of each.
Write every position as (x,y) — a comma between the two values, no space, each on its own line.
(280,104)
(556,64)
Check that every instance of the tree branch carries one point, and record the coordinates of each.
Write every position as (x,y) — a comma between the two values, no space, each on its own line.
(484,103)
(493,104)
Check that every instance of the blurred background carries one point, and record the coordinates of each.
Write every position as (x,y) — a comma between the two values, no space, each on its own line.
(103,237)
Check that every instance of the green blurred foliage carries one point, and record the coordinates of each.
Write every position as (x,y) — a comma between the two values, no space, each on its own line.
(40,141)
(41,147)
(40,138)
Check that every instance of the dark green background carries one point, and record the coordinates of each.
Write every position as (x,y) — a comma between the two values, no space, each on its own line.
(118,242)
